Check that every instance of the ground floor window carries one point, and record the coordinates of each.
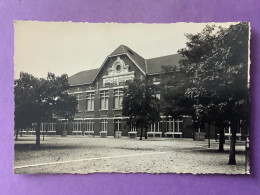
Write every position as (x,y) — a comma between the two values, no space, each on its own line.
(155,127)
(88,125)
(77,125)
(118,125)
(133,127)
(64,125)
(45,126)
(48,126)
(178,125)
(227,129)
(174,125)
(104,124)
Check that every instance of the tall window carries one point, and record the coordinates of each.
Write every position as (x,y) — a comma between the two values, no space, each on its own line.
(133,127)
(118,124)
(90,96)
(170,125)
(78,98)
(64,125)
(103,124)
(104,100)
(178,125)
(118,98)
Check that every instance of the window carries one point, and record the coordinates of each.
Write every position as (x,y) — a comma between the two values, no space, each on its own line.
(133,127)
(90,96)
(103,124)
(88,125)
(178,125)
(104,100)
(48,127)
(156,127)
(118,98)
(118,124)
(174,125)
(64,125)
(170,125)
(78,98)
(77,126)
(227,129)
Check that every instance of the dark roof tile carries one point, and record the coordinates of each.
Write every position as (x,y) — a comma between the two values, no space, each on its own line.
(154,65)
(83,77)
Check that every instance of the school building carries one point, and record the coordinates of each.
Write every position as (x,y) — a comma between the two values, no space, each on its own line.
(100,93)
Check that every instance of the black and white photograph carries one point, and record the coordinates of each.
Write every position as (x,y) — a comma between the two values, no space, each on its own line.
(132,98)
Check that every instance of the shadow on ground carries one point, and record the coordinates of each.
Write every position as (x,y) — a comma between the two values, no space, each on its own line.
(24,147)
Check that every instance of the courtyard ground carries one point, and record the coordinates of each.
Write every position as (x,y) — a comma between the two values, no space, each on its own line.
(79,154)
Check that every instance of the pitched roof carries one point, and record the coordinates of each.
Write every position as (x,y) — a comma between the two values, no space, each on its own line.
(139,60)
(148,66)
(118,51)
(154,65)
(84,77)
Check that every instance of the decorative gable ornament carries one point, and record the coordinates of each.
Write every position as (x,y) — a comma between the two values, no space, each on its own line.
(119,72)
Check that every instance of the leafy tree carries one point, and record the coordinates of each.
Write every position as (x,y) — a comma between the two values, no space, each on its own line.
(216,60)
(37,100)
(140,104)
(173,85)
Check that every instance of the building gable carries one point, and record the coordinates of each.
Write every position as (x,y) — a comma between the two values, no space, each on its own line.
(131,62)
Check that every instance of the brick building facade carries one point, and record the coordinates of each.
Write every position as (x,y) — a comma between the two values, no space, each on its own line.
(100,93)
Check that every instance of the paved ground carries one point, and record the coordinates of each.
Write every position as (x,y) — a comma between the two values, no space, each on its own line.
(78,154)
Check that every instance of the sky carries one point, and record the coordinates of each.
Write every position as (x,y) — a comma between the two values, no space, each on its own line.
(67,47)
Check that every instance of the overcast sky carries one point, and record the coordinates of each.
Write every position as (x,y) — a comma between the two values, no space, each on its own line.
(66,47)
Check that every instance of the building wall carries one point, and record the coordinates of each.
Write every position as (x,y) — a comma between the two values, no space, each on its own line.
(111,114)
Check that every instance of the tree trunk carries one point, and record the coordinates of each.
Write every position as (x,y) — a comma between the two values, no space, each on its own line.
(145,132)
(38,135)
(141,136)
(232,152)
(21,135)
(43,133)
(221,138)
(16,134)
(209,134)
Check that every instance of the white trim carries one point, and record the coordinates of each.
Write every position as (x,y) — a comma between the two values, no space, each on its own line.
(92,90)
(75,92)
(118,75)
(136,64)
(120,87)
(81,84)
(100,69)
(117,117)
(104,89)
(103,65)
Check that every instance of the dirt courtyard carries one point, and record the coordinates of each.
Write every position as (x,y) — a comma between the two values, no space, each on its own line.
(79,154)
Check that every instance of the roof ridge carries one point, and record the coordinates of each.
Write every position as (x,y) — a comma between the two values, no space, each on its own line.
(123,46)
